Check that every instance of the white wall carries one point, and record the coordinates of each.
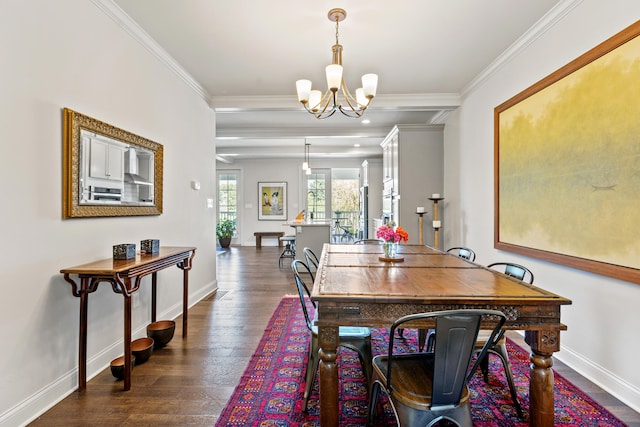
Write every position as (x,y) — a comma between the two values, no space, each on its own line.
(601,340)
(69,53)
(289,170)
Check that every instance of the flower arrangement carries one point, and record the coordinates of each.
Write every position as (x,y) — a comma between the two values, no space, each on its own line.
(389,234)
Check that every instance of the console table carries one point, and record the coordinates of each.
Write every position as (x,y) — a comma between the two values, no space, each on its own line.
(125,277)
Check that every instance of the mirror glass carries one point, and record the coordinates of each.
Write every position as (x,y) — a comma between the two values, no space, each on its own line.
(108,171)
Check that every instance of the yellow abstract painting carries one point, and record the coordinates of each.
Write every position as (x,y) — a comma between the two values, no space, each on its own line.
(568,161)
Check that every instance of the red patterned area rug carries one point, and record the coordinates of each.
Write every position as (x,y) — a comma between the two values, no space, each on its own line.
(271,388)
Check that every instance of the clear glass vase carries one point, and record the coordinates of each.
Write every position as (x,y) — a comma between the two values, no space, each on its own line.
(390,249)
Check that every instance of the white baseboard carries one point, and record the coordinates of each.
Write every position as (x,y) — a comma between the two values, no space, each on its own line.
(608,381)
(54,392)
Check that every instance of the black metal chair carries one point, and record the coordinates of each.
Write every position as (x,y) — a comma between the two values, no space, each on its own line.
(427,388)
(500,348)
(353,337)
(518,271)
(463,252)
(312,261)
(425,337)
(368,241)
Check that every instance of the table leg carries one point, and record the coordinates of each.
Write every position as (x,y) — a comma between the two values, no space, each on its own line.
(82,345)
(329,409)
(185,266)
(127,342)
(185,301)
(543,344)
(154,295)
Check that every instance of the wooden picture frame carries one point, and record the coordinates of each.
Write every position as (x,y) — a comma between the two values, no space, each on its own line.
(567,163)
(107,171)
(272,201)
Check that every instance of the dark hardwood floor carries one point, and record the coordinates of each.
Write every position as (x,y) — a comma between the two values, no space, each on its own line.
(188,382)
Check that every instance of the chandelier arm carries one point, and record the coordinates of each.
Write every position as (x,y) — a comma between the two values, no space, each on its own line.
(351,113)
(351,101)
(326,100)
(324,112)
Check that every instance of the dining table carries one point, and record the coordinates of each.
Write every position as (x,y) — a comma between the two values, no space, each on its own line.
(356,285)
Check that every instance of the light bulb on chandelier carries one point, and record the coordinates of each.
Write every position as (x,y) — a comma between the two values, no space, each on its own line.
(325,105)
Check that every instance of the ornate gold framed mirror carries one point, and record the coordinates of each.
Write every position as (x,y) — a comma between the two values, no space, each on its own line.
(108,171)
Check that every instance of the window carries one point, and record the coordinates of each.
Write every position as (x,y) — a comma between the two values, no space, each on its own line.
(345,204)
(318,191)
(333,194)
(228,183)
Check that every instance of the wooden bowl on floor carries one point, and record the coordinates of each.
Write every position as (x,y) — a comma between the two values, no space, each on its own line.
(142,349)
(161,332)
(117,366)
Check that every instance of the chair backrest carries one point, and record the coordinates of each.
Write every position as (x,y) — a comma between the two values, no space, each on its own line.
(463,252)
(368,241)
(456,333)
(514,270)
(299,268)
(312,259)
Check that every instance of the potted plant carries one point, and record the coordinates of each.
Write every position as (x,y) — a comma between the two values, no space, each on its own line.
(224,232)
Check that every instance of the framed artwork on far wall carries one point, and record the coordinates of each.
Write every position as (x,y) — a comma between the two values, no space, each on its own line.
(272,199)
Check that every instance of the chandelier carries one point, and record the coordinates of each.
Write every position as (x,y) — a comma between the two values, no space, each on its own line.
(325,105)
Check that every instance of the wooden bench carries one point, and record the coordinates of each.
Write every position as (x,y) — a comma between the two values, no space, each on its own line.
(260,234)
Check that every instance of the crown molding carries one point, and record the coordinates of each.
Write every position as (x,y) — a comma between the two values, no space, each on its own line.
(413,102)
(118,15)
(550,19)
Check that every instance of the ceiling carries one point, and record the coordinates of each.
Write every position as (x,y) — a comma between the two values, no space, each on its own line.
(244,56)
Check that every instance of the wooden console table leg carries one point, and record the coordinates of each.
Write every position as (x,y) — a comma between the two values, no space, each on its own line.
(185,301)
(185,266)
(82,345)
(329,409)
(543,344)
(154,295)
(127,341)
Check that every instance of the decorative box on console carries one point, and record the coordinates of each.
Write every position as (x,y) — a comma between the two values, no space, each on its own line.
(124,251)
(150,246)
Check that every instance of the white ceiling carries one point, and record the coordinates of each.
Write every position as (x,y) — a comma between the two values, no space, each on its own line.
(246,55)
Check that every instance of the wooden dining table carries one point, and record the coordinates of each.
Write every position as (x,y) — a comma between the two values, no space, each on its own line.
(354,287)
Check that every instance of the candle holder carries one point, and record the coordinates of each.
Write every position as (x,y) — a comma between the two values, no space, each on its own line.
(420,222)
(435,198)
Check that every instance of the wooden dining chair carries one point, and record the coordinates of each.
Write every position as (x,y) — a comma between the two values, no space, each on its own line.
(353,337)
(426,388)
